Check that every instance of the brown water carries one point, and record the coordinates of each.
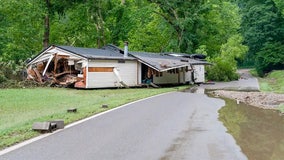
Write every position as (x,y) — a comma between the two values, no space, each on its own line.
(259,133)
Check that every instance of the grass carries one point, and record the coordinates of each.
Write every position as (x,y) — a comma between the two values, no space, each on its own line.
(281,108)
(20,108)
(273,82)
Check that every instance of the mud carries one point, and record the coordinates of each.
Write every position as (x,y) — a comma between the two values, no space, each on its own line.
(257,99)
(245,90)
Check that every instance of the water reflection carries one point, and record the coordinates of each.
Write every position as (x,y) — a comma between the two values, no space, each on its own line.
(259,133)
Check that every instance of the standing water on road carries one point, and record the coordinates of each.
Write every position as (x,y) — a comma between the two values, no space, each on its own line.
(259,132)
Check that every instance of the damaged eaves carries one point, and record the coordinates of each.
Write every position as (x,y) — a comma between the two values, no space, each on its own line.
(159,62)
(58,69)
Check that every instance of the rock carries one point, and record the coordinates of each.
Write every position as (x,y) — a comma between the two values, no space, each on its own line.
(258,99)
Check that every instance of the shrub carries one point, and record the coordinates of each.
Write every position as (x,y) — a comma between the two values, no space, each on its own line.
(270,58)
(10,73)
(222,70)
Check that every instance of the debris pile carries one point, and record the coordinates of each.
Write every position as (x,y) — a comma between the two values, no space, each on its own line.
(257,99)
(59,70)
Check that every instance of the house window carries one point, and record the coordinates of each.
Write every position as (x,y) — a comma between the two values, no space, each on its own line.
(121,61)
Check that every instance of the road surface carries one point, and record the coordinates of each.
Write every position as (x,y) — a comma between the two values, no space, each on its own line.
(246,83)
(173,126)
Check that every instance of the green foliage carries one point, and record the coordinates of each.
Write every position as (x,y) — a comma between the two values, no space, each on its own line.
(280,5)
(184,18)
(281,108)
(73,28)
(253,72)
(21,32)
(234,49)
(10,72)
(151,36)
(270,57)
(273,82)
(225,66)
(222,70)
(221,22)
(263,29)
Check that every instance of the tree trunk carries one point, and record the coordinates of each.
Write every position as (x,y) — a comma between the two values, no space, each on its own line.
(46,26)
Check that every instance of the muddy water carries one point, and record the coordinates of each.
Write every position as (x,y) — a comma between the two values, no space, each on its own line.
(259,133)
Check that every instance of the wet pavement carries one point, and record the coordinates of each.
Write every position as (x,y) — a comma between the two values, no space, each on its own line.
(245,83)
(178,125)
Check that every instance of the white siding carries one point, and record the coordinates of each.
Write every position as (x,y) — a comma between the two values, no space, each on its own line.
(139,70)
(127,72)
(199,73)
(182,76)
(167,78)
(188,76)
(171,78)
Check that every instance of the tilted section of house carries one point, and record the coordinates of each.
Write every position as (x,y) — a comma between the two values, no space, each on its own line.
(109,67)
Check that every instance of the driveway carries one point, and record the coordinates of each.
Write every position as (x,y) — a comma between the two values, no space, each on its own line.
(178,125)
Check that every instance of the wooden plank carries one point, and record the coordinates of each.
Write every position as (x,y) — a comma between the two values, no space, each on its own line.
(100,69)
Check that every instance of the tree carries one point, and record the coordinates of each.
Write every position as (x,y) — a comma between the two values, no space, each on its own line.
(152,36)
(46,25)
(184,18)
(22,31)
(221,22)
(280,5)
(225,65)
(262,26)
(270,57)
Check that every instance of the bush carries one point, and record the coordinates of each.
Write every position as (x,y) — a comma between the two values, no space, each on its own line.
(10,73)
(270,58)
(222,70)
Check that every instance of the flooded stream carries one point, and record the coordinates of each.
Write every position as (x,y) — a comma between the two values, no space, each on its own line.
(259,133)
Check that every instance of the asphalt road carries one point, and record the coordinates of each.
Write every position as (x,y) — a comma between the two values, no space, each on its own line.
(175,126)
(246,83)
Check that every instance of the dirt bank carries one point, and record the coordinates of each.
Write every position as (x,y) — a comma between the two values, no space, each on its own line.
(257,99)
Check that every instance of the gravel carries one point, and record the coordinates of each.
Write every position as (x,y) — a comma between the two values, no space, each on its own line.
(245,90)
(257,99)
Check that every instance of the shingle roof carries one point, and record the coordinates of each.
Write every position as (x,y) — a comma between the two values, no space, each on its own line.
(159,62)
(93,53)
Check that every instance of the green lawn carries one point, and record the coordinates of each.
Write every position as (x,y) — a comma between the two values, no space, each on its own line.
(20,108)
(273,82)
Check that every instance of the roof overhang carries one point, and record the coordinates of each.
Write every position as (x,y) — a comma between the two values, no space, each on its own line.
(51,51)
(161,64)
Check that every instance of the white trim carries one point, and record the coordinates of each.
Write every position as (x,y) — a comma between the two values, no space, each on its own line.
(52,50)
(50,58)
(87,74)
(116,73)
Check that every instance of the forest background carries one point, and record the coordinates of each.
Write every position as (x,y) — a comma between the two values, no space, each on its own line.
(232,33)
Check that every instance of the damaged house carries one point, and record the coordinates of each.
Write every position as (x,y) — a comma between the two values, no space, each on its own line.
(110,67)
